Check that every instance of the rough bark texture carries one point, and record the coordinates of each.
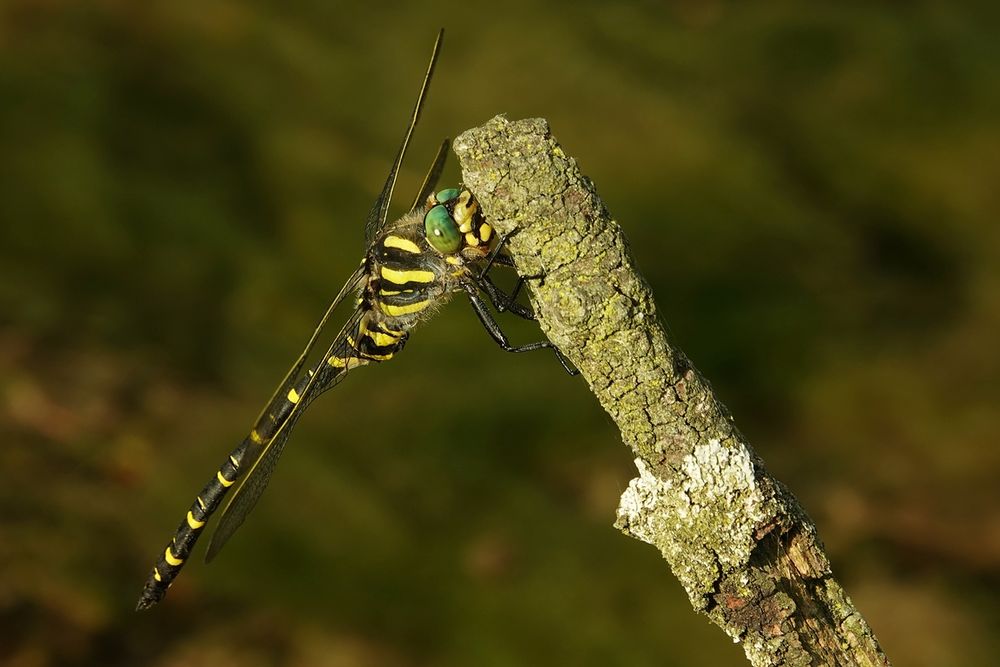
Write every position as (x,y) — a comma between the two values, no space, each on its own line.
(745,551)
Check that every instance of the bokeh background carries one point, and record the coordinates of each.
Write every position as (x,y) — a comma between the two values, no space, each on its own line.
(810,188)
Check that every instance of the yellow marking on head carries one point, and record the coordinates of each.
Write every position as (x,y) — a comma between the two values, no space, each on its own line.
(156,575)
(232,459)
(193,522)
(400,277)
(472,239)
(171,558)
(293,396)
(485,232)
(457,261)
(201,502)
(223,481)
(407,309)
(255,437)
(464,210)
(405,245)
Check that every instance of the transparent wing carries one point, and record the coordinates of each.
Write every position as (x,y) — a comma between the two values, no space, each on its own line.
(257,448)
(433,174)
(255,480)
(380,209)
(290,377)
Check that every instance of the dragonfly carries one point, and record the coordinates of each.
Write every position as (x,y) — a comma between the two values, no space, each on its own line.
(441,247)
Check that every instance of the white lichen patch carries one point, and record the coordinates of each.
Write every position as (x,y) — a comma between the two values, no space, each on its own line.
(720,484)
(638,504)
(703,520)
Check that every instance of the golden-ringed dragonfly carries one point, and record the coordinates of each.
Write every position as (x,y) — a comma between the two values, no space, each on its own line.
(443,245)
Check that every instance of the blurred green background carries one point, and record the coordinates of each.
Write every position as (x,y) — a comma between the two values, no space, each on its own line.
(811,189)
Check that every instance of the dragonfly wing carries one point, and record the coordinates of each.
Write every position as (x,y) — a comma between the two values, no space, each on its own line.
(260,463)
(380,209)
(291,376)
(433,174)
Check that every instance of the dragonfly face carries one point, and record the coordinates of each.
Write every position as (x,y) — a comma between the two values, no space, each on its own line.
(454,225)
(443,245)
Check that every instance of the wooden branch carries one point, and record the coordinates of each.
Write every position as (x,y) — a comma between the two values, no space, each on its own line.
(745,551)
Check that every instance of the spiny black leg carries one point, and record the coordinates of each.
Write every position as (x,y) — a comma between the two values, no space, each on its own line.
(503,302)
(496,258)
(495,255)
(502,260)
(493,329)
(517,291)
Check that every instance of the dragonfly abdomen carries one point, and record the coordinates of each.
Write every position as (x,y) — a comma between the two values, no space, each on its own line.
(170,562)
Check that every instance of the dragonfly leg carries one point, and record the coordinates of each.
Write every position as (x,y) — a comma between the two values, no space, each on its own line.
(506,302)
(501,301)
(495,256)
(494,330)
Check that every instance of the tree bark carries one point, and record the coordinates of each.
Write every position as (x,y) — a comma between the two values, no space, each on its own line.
(744,549)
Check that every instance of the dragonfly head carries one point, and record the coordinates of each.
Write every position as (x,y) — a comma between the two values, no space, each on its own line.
(453,223)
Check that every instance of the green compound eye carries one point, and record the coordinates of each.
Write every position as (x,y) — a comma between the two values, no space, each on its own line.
(441,231)
(446,195)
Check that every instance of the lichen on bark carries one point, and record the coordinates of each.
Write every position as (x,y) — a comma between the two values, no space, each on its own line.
(745,551)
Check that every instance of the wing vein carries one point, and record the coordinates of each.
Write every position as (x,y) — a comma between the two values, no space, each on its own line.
(259,463)
(380,209)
